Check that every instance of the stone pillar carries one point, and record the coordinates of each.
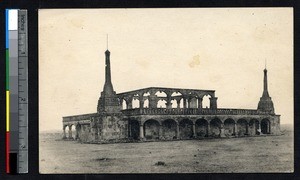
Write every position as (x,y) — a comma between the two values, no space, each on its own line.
(178,103)
(160,133)
(76,133)
(247,128)
(208,129)
(177,131)
(222,133)
(152,101)
(184,103)
(141,99)
(194,130)
(64,135)
(189,103)
(200,103)
(259,128)
(96,133)
(169,104)
(129,104)
(235,129)
(213,103)
(141,131)
(70,132)
(129,129)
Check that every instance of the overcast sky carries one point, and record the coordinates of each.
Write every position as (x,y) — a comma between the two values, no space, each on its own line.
(219,49)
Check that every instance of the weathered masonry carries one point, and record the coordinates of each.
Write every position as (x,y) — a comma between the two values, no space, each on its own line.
(157,113)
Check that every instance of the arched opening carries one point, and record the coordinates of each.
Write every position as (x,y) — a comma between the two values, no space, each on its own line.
(66,131)
(146,103)
(193,103)
(135,103)
(169,128)
(161,104)
(124,104)
(72,134)
(176,94)
(134,129)
(174,103)
(160,94)
(201,128)
(254,127)
(146,94)
(242,127)
(186,129)
(151,129)
(215,127)
(229,127)
(265,126)
(181,103)
(206,101)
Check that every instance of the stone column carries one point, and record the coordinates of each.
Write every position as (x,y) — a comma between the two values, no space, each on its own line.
(70,132)
(235,129)
(152,101)
(141,131)
(259,128)
(200,103)
(141,99)
(194,130)
(169,104)
(189,103)
(208,129)
(213,103)
(160,133)
(129,104)
(64,135)
(76,132)
(222,133)
(129,129)
(178,103)
(184,103)
(177,131)
(96,133)
(247,128)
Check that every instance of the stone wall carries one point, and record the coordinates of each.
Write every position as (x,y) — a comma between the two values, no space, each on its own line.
(113,128)
(116,128)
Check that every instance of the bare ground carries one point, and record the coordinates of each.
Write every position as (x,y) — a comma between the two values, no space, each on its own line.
(250,154)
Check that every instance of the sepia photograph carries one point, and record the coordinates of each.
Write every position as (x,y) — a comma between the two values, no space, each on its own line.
(166,90)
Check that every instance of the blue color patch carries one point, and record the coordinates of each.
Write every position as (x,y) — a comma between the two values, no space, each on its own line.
(6,28)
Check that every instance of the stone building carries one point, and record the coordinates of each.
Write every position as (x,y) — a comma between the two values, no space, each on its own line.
(180,115)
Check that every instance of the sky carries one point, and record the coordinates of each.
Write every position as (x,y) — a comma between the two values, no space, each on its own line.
(222,49)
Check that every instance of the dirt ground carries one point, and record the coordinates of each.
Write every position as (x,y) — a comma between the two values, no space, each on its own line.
(249,154)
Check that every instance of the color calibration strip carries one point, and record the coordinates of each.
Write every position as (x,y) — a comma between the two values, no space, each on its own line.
(16,91)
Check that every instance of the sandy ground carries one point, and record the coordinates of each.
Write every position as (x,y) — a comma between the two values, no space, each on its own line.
(250,154)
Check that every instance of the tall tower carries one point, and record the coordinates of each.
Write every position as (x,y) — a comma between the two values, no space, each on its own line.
(265,103)
(108,101)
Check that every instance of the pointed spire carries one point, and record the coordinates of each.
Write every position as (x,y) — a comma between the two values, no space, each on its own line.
(265,103)
(265,92)
(108,101)
(108,88)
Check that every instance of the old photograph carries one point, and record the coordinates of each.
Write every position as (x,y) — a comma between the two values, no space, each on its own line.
(179,90)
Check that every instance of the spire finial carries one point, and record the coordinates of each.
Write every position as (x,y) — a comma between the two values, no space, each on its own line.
(107,41)
(265,63)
